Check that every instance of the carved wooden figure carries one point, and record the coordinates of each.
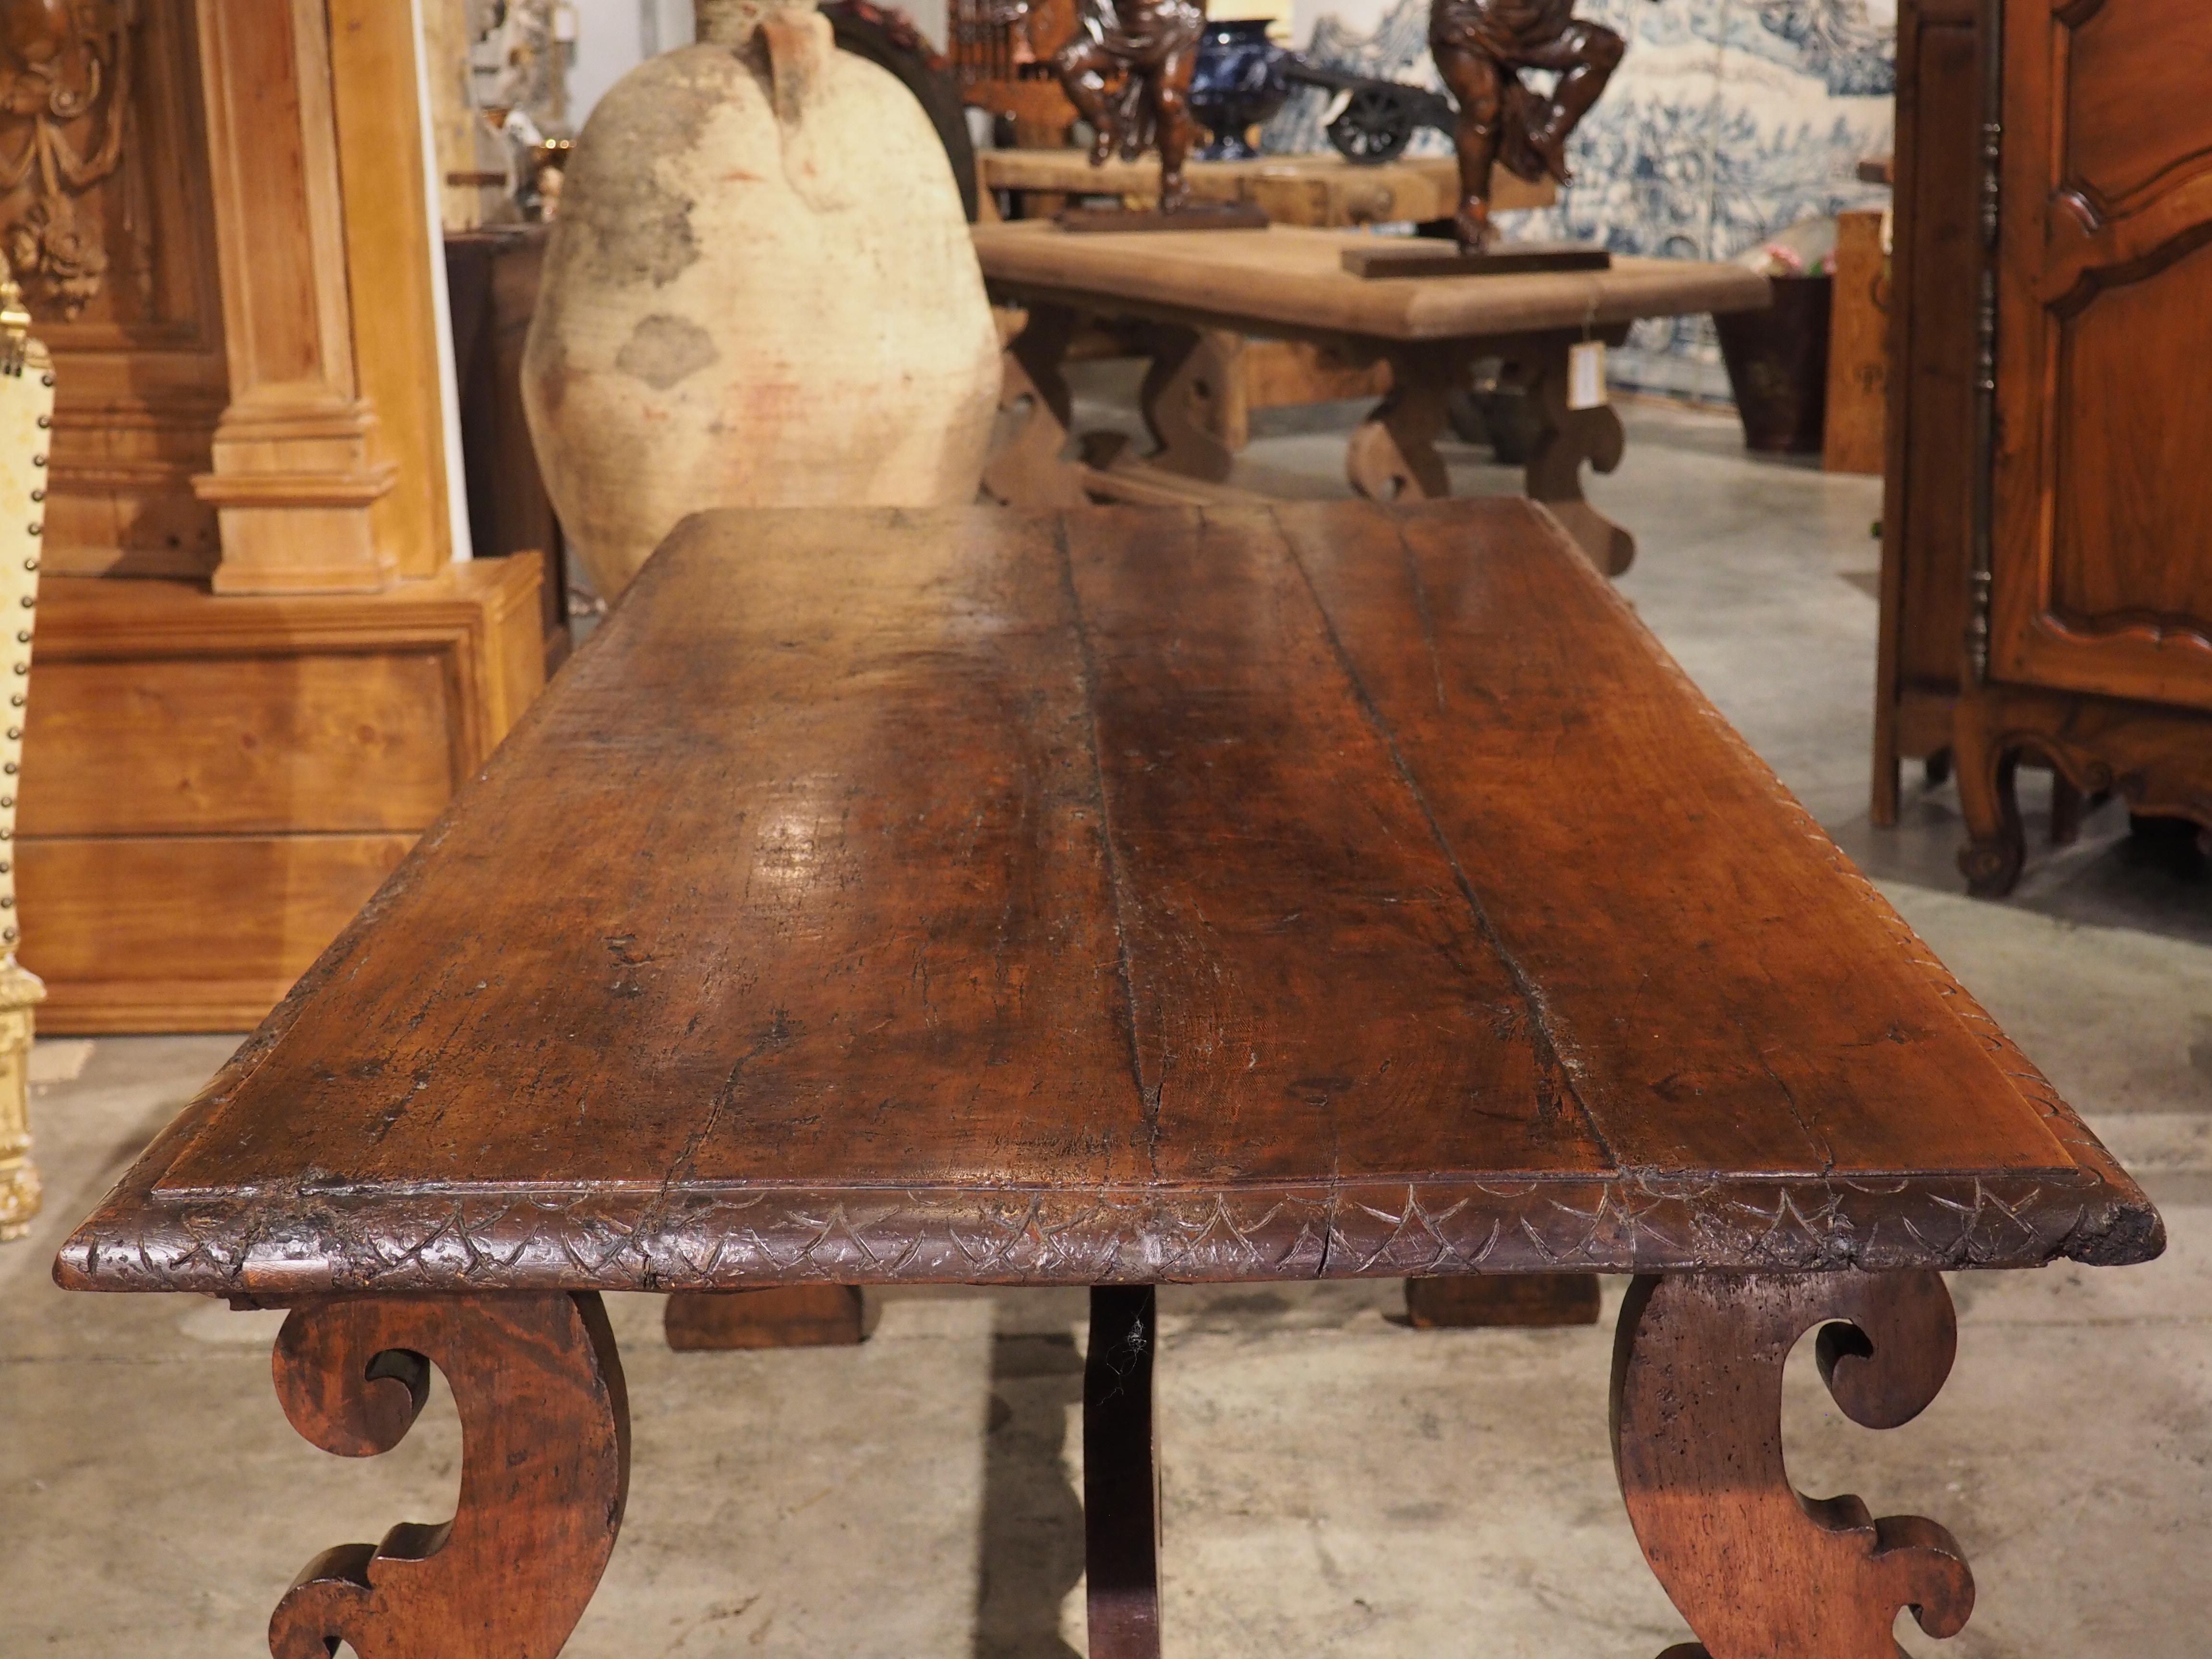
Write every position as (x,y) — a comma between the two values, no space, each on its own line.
(1126,69)
(1480,47)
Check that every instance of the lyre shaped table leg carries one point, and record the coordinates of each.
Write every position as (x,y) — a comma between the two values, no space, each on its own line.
(544,1471)
(1758,1570)
(1120,1476)
(1188,385)
(1392,455)
(1566,439)
(1027,469)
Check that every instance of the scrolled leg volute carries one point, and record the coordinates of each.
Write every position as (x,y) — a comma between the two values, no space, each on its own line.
(1759,1571)
(544,1471)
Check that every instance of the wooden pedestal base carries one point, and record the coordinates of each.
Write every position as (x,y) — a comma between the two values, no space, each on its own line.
(544,1471)
(1434,1304)
(786,1317)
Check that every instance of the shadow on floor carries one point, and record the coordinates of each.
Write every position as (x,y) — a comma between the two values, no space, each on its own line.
(1032,1522)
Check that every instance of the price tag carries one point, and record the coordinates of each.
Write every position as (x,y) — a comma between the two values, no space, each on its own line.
(1586,375)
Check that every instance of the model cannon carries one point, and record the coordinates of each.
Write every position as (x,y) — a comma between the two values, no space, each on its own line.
(1242,78)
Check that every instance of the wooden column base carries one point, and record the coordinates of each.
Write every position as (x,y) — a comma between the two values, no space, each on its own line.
(784,1316)
(1535,1299)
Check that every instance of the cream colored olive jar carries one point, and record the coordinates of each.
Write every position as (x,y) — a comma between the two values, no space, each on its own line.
(760,292)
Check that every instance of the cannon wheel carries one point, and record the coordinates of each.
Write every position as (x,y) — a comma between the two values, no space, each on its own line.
(1374,126)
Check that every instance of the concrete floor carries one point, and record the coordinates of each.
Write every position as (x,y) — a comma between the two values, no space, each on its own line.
(1334,1481)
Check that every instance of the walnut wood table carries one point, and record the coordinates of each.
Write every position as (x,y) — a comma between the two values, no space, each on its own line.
(1204,291)
(1106,898)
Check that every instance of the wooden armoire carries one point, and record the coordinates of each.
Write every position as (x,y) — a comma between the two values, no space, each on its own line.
(2047,561)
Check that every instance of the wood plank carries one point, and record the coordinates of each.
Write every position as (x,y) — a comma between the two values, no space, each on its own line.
(250,744)
(1723,989)
(1858,348)
(869,936)
(1314,191)
(1294,279)
(1270,862)
(254,910)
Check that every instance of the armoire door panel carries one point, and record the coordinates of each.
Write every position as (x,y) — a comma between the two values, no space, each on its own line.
(2135,91)
(2101,547)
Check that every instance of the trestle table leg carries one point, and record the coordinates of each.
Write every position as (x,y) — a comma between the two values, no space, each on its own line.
(544,1471)
(1759,1571)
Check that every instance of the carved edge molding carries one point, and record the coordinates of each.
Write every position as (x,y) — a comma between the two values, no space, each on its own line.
(2060,1119)
(283,1246)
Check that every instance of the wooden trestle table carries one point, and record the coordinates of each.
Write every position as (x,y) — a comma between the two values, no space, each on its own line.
(1204,292)
(1111,897)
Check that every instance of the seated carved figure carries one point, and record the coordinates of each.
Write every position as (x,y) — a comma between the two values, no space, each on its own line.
(1151,47)
(1480,46)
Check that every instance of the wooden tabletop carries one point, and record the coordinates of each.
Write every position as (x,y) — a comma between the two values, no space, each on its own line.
(1294,190)
(1294,277)
(1122,894)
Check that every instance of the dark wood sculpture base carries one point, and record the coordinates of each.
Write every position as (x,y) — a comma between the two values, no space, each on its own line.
(1505,1300)
(785,1317)
(1428,256)
(1202,215)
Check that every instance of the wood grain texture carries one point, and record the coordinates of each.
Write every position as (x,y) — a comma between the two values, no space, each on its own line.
(1759,1571)
(1516,1299)
(254,745)
(212,786)
(544,1471)
(392,268)
(781,1316)
(1114,896)
(2103,513)
(294,479)
(1858,348)
(1293,279)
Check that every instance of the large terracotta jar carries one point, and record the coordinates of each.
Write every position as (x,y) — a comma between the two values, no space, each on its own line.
(760,293)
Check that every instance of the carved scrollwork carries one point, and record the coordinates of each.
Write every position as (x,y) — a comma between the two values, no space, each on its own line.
(65,74)
(1759,1569)
(544,1471)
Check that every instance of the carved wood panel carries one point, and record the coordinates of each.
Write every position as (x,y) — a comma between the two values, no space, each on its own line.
(2102,545)
(104,211)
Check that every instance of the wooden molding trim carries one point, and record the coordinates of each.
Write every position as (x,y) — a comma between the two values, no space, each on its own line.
(296,408)
(389,264)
